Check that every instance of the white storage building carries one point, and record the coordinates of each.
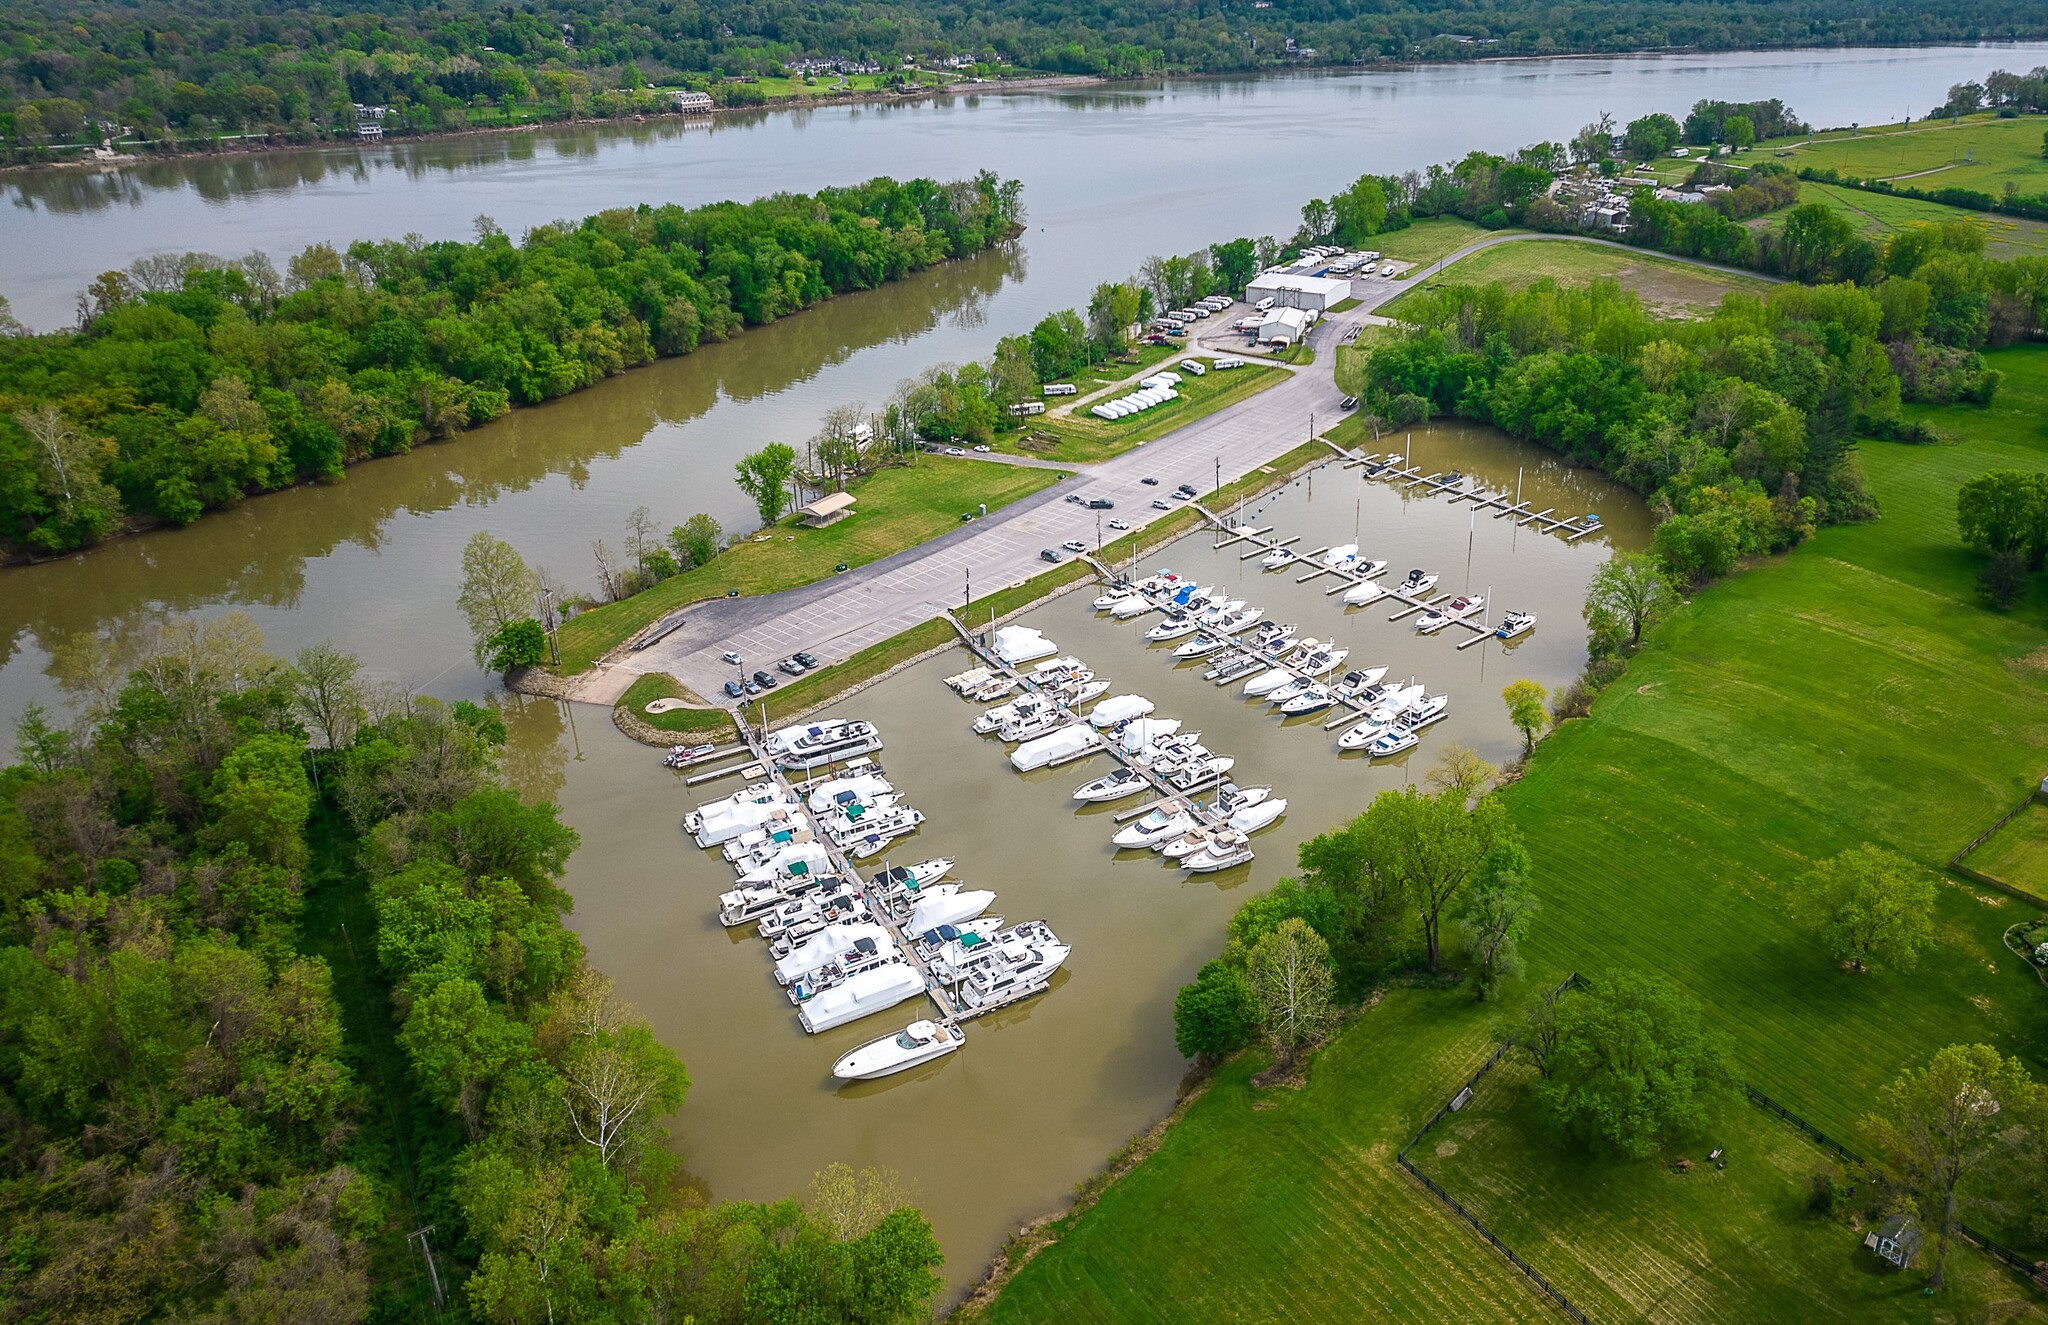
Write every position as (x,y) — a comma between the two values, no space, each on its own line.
(1288,290)
(1283,326)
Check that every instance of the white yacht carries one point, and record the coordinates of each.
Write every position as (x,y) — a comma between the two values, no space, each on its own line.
(1198,770)
(980,927)
(1068,743)
(833,793)
(1273,635)
(869,992)
(1227,852)
(752,901)
(1111,786)
(1254,817)
(1369,569)
(1266,682)
(805,916)
(1186,845)
(731,821)
(1221,609)
(1364,592)
(916,1044)
(801,959)
(852,819)
(1175,626)
(1113,595)
(1392,741)
(821,743)
(968,954)
(791,862)
(1023,971)
(1278,557)
(1135,606)
(1340,554)
(875,835)
(1145,731)
(1119,708)
(756,845)
(863,955)
(1359,681)
(1325,661)
(1418,583)
(1201,646)
(754,793)
(1426,712)
(1230,798)
(1312,700)
(1236,623)
(1047,717)
(1382,718)
(1298,685)
(1162,823)
(946,904)
(1085,692)
(1514,625)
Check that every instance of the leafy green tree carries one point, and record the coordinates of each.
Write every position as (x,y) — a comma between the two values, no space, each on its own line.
(497,589)
(1738,132)
(1426,850)
(1235,264)
(1632,1065)
(1870,906)
(765,475)
(1289,975)
(262,799)
(1113,309)
(1497,914)
(518,644)
(1216,1015)
(328,693)
(1525,700)
(1936,1125)
(1651,136)
(2005,510)
(695,540)
(620,1081)
(459,1046)
(1359,211)
(1627,594)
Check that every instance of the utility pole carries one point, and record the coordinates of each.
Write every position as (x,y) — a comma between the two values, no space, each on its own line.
(967,576)
(419,1235)
(1219,475)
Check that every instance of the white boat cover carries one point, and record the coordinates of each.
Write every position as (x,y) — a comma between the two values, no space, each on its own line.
(1053,747)
(947,904)
(870,991)
(1021,644)
(1119,708)
(826,944)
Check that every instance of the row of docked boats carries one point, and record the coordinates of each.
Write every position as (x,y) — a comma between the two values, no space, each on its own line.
(844,949)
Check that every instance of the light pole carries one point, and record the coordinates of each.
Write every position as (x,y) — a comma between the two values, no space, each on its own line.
(1219,475)
(967,577)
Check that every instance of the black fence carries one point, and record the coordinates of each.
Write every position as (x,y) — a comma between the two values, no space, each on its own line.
(1457,1100)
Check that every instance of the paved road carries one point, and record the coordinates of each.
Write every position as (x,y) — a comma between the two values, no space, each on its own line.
(838,617)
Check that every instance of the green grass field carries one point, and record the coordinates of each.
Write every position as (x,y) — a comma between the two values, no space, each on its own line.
(1879,214)
(704,724)
(1426,240)
(1640,1240)
(1982,152)
(1085,439)
(2017,853)
(1670,288)
(1853,690)
(896,509)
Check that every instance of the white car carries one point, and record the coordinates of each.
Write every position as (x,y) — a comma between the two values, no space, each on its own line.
(981,450)
(1119,525)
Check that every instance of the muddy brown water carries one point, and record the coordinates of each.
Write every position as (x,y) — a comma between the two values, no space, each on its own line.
(1043,1092)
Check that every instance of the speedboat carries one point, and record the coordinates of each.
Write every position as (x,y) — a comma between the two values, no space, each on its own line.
(1175,626)
(1236,623)
(1358,682)
(1364,592)
(682,756)
(1162,823)
(1113,595)
(910,878)
(1187,845)
(1325,662)
(1340,554)
(1278,557)
(1368,569)
(1228,851)
(1298,686)
(1312,700)
(1513,625)
(1392,741)
(1254,817)
(916,1044)
(1419,582)
(1111,786)
(1443,614)
(1273,635)
(1266,682)
(1201,646)
(1087,692)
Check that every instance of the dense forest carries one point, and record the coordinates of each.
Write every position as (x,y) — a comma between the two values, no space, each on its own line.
(193,381)
(79,70)
(287,1007)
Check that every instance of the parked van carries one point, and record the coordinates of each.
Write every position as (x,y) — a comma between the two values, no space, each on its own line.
(1061,389)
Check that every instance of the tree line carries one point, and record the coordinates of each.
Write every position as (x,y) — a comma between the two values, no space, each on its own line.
(191,382)
(284,981)
(74,69)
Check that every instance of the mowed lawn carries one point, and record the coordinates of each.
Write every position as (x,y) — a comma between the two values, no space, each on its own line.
(1085,439)
(1877,215)
(1853,690)
(1982,152)
(894,509)
(1287,1205)
(1629,1240)
(1670,288)
(2017,853)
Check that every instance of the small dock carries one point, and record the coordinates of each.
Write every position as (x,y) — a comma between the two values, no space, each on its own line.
(1392,468)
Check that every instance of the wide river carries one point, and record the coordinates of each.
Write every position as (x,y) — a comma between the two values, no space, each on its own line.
(1041,1094)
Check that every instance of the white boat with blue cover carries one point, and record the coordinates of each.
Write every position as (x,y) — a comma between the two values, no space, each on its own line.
(1514,625)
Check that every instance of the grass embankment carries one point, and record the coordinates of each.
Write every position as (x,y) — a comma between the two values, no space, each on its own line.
(1981,152)
(1672,289)
(1426,240)
(1630,1241)
(1085,439)
(2017,853)
(1877,215)
(897,508)
(1851,691)
(703,723)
